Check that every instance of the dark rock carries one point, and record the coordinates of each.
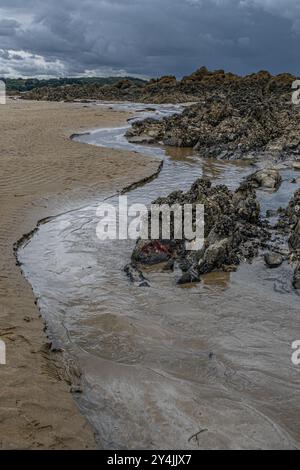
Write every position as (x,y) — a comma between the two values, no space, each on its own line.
(136,276)
(141,139)
(271,213)
(215,256)
(235,115)
(76,389)
(233,231)
(151,252)
(290,221)
(294,240)
(234,118)
(189,277)
(273,260)
(296,165)
(289,224)
(169,265)
(296,278)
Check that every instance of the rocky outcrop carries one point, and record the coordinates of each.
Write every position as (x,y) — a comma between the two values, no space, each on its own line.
(198,86)
(290,221)
(232,117)
(233,232)
(290,224)
(122,90)
(296,278)
(241,123)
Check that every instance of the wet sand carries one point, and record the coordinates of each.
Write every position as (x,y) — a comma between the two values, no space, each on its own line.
(41,172)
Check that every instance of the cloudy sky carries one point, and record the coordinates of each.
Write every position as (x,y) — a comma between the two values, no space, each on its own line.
(147,37)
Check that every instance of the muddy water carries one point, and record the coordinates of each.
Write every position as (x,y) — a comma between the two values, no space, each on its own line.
(168,367)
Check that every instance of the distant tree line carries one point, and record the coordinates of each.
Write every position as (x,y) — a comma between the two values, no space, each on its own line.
(28,84)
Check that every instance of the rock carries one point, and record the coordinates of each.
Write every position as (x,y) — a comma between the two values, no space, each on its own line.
(270,213)
(291,214)
(290,221)
(237,118)
(229,268)
(289,224)
(246,204)
(76,389)
(136,276)
(141,139)
(232,117)
(215,256)
(233,231)
(169,265)
(189,277)
(296,165)
(296,278)
(273,260)
(294,240)
(267,178)
(151,252)
(172,141)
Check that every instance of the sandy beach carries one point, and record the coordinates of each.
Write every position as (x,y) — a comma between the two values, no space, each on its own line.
(44,173)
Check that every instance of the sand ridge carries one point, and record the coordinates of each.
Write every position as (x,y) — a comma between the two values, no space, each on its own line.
(44,173)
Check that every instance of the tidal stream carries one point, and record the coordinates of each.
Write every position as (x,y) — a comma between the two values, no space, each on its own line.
(169,367)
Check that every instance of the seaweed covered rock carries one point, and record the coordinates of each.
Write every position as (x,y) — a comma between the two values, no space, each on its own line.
(199,86)
(250,117)
(296,277)
(290,221)
(232,231)
(290,224)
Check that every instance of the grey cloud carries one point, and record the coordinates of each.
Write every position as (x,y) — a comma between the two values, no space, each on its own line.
(150,37)
(8,27)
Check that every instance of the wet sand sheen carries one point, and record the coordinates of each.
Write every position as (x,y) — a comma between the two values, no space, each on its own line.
(161,364)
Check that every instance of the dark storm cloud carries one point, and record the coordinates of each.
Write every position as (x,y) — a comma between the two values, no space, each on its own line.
(148,37)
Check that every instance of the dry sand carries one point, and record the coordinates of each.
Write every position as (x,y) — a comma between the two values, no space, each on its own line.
(43,173)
